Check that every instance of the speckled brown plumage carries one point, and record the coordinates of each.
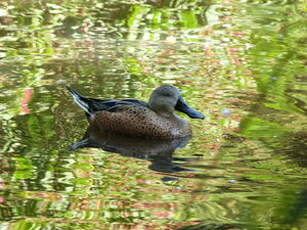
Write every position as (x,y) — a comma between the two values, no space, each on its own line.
(141,121)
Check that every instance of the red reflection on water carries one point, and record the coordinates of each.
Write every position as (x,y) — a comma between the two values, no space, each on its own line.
(24,102)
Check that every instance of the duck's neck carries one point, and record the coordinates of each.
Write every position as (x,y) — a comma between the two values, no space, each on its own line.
(162,109)
(169,115)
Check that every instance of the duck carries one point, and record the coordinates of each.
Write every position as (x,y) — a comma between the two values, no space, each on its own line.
(137,118)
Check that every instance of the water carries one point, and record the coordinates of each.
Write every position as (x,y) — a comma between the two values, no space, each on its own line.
(242,64)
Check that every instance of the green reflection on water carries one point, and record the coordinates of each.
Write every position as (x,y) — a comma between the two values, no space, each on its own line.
(241,64)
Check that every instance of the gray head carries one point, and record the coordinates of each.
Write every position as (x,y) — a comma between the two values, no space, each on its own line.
(166,99)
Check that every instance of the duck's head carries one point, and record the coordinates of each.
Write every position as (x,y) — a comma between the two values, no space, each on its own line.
(166,99)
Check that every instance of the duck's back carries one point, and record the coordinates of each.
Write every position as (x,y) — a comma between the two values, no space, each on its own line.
(136,120)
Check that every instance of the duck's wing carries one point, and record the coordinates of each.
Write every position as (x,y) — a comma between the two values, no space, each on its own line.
(92,105)
(114,104)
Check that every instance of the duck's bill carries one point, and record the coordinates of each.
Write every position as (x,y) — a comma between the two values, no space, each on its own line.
(183,107)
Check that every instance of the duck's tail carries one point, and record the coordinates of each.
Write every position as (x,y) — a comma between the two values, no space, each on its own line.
(80,100)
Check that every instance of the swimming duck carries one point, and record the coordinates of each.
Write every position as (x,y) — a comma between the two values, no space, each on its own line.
(132,117)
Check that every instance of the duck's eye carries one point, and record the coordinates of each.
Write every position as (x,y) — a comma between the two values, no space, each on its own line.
(166,94)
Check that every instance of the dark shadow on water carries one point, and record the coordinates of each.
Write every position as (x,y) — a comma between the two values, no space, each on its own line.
(213,226)
(158,151)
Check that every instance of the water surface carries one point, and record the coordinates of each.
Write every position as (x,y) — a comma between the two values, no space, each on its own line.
(242,64)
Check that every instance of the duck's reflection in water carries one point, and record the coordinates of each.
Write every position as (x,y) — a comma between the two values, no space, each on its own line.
(157,151)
